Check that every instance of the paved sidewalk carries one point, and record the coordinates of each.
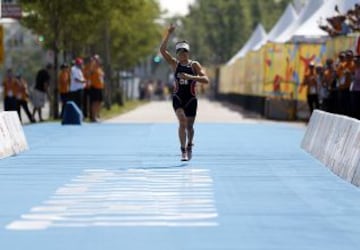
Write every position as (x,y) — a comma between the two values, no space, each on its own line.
(208,112)
(25,119)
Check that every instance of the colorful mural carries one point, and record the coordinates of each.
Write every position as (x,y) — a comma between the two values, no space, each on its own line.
(278,69)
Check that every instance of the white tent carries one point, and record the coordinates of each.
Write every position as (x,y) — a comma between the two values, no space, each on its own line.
(261,42)
(286,19)
(311,7)
(256,39)
(310,30)
(299,4)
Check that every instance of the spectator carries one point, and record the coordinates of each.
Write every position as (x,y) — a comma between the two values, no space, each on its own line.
(355,90)
(97,88)
(338,65)
(357,13)
(41,89)
(64,85)
(345,71)
(345,27)
(329,82)
(310,81)
(149,90)
(323,92)
(10,85)
(354,17)
(343,24)
(353,20)
(23,97)
(77,83)
(142,90)
(159,91)
(335,27)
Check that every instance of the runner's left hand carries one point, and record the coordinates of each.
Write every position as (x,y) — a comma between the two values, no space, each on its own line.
(185,76)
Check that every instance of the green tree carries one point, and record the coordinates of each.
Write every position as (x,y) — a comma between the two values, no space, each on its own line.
(138,34)
(123,31)
(49,19)
(217,29)
(212,27)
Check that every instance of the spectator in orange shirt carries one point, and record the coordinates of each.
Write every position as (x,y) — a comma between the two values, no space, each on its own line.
(350,63)
(355,90)
(64,85)
(97,87)
(345,71)
(23,97)
(329,83)
(10,85)
(323,91)
(310,81)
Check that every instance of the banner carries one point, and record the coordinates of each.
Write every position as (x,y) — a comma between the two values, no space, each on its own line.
(224,79)
(254,73)
(240,76)
(233,76)
(337,44)
(278,69)
(281,77)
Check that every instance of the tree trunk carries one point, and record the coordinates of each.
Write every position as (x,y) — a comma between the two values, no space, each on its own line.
(108,71)
(55,98)
(55,103)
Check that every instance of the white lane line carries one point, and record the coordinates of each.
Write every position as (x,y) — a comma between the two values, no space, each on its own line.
(124,198)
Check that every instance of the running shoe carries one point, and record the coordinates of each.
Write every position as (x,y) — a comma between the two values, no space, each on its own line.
(189,151)
(184,155)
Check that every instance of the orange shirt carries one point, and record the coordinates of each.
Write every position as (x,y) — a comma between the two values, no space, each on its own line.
(329,77)
(310,80)
(340,68)
(64,81)
(10,87)
(349,72)
(351,66)
(344,71)
(87,73)
(22,93)
(97,78)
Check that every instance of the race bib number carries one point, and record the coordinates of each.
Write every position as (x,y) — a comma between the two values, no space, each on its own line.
(182,81)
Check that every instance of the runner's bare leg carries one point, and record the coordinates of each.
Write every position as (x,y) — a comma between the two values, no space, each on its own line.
(180,114)
(190,130)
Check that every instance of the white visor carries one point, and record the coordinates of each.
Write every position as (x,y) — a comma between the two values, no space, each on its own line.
(182,45)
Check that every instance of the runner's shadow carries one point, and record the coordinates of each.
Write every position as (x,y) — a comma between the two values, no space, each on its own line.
(181,165)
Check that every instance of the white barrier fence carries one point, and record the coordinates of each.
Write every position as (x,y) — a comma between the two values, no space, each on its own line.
(12,137)
(335,141)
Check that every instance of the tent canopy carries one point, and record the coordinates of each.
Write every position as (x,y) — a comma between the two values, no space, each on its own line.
(309,9)
(286,19)
(256,38)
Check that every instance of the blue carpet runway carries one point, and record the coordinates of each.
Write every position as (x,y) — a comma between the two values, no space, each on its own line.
(249,186)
